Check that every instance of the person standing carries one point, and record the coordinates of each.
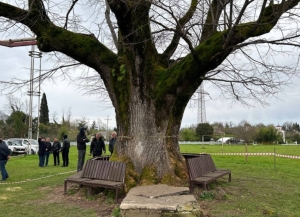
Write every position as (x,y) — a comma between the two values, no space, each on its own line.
(48,150)
(41,152)
(65,151)
(81,147)
(4,157)
(55,150)
(97,145)
(112,142)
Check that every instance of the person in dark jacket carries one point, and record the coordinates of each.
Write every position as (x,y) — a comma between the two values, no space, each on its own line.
(81,147)
(97,145)
(41,152)
(55,150)
(65,151)
(112,142)
(4,157)
(48,150)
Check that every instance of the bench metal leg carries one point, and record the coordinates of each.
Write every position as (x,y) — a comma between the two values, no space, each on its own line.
(89,191)
(229,177)
(191,187)
(65,187)
(117,190)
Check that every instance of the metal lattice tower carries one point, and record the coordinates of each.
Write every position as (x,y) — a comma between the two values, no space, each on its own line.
(201,116)
(32,92)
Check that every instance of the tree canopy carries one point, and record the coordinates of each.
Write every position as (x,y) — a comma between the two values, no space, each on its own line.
(204,131)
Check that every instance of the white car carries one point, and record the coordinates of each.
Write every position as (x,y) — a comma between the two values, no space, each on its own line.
(34,145)
(29,144)
(15,148)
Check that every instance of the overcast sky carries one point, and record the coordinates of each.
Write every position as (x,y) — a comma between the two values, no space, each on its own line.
(15,62)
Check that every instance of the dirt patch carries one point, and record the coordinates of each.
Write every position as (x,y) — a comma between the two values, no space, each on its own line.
(77,197)
(104,204)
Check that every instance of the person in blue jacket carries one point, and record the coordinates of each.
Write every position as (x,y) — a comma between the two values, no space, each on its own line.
(4,157)
(41,152)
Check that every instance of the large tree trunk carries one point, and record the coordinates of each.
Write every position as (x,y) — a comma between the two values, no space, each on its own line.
(150,145)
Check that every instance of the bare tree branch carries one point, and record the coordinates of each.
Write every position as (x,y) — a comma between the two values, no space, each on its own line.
(180,29)
(69,11)
(110,25)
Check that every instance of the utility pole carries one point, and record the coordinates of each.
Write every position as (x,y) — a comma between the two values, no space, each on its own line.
(107,119)
(34,54)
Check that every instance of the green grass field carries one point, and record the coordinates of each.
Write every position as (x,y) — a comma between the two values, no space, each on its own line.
(260,186)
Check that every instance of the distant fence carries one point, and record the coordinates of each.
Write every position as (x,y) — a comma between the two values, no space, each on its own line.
(188,143)
(219,143)
(199,143)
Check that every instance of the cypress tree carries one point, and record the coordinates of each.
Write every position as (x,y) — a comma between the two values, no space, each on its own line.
(44,111)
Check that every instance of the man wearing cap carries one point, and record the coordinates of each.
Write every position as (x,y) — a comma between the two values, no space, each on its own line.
(81,147)
(65,151)
(4,157)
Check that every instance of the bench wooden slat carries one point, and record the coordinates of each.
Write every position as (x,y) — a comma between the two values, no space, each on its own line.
(93,172)
(105,170)
(123,172)
(103,183)
(111,173)
(117,174)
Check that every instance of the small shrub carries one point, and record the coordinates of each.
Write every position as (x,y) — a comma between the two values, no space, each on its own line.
(271,213)
(116,212)
(206,195)
(91,197)
(225,197)
(212,185)
(71,191)
(109,200)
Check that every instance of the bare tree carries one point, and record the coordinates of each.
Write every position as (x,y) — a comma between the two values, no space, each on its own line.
(101,125)
(163,51)
(54,117)
(15,104)
(244,130)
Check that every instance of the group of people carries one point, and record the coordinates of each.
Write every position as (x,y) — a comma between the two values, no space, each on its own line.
(97,146)
(46,148)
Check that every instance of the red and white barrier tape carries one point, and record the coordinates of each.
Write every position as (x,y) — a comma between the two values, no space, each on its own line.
(256,154)
(30,180)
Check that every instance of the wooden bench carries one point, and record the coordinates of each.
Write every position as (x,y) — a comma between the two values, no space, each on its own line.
(202,170)
(100,173)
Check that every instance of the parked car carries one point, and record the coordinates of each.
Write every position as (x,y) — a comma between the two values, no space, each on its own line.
(29,144)
(15,148)
(35,144)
